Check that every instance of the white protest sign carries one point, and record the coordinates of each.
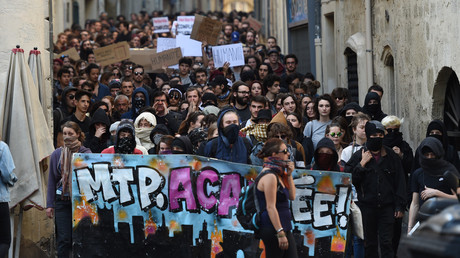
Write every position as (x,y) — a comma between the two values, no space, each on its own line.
(232,53)
(165,44)
(189,47)
(160,25)
(185,24)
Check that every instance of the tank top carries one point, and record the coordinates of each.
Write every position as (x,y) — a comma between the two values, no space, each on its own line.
(282,205)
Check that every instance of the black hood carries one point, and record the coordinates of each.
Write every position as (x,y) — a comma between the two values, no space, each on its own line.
(161,129)
(437,166)
(100,117)
(185,143)
(327,143)
(375,113)
(438,125)
(434,145)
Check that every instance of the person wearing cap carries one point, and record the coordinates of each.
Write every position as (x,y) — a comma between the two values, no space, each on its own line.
(125,141)
(378,176)
(276,65)
(235,38)
(221,90)
(115,87)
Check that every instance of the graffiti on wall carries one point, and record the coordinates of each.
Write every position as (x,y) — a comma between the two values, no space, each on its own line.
(184,205)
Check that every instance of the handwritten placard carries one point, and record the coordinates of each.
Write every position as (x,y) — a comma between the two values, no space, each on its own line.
(160,25)
(206,29)
(185,24)
(232,53)
(141,56)
(112,53)
(165,58)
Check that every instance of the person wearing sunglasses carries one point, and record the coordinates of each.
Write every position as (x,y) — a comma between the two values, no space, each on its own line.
(175,97)
(138,80)
(275,188)
(340,96)
(336,134)
(64,110)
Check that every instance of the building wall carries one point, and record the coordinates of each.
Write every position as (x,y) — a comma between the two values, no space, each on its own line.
(412,42)
(24,23)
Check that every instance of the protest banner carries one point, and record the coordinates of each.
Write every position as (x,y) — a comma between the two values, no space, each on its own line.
(254,24)
(165,58)
(165,44)
(112,53)
(184,206)
(206,29)
(188,46)
(71,52)
(160,25)
(232,53)
(141,56)
(185,24)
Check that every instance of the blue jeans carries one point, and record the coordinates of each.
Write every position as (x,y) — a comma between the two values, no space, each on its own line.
(63,221)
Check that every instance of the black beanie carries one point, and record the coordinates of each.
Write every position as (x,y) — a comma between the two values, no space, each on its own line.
(373,127)
(179,143)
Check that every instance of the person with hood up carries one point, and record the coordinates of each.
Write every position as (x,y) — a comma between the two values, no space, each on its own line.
(372,106)
(99,132)
(326,156)
(378,176)
(144,125)
(139,100)
(181,145)
(64,110)
(58,198)
(437,129)
(229,145)
(431,179)
(159,131)
(126,142)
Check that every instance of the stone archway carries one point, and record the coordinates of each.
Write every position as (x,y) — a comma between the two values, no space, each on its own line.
(439,92)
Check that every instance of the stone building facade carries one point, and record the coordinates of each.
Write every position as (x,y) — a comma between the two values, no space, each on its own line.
(414,50)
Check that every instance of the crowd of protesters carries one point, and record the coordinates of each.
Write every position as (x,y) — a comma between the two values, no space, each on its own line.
(230,112)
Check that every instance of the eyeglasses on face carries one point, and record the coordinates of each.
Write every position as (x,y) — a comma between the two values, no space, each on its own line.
(285,151)
(339,98)
(336,134)
(174,96)
(391,130)
(128,68)
(138,73)
(71,96)
(282,137)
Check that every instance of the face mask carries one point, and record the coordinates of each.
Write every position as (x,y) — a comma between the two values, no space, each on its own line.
(178,152)
(392,139)
(72,143)
(126,145)
(138,103)
(439,137)
(165,152)
(156,138)
(373,108)
(231,133)
(325,160)
(374,144)
(348,118)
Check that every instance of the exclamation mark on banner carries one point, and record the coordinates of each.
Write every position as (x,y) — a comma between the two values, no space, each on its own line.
(342,218)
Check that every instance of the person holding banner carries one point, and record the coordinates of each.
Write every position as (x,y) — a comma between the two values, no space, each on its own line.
(274,190)
(58,199)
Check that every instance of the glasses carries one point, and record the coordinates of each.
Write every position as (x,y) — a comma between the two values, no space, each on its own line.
(285,151)
(244,92)
(174,96)
(391,130)
(128,68)
(282,137)
(335,134)
(71,96)
(115,74)
(339,98)
(138,73)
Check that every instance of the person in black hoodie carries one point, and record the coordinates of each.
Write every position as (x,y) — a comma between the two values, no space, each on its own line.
(326,156)
(155,135)
(372,106)
(99,132)
(182,145)
(378,176)
(64,110)
(431,179)
(438,130)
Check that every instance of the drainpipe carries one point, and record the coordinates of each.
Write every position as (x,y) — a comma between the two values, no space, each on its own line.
(369,64)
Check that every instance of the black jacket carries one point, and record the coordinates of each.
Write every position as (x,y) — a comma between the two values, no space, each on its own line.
(379,183)
(97,145)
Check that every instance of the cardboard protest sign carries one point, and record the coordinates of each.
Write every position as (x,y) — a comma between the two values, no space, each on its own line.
(112,53)
(232,53)
(185,24)
(184,206)
(141,56)
(188,46)
(160,25)
(71,52)
(254,24)
(206,29)
(165,44)
(165,58)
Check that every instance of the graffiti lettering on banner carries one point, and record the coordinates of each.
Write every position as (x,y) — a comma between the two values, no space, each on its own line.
(160,25)
(185,24)
(232,53)
(184,206)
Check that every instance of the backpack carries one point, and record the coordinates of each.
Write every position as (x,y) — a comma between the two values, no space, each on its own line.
(248,211)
